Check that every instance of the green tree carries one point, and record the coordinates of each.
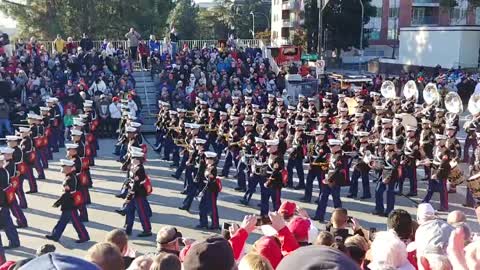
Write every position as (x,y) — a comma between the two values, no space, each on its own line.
(342,20)
(111,19)
(184,18)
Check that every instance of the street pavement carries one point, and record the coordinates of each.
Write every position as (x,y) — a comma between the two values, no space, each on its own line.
(165,199)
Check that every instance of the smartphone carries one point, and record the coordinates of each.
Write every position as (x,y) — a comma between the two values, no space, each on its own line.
(350,220)
(226,226)
(263,220)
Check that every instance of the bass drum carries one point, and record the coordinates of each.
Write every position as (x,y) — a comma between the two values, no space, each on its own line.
(473,183)
(456,176)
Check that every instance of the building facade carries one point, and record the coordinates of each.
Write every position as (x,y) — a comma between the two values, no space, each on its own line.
(390,15)
(287,17)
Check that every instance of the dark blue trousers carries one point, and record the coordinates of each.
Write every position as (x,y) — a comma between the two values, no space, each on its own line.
(314,173)
(410,172)
(141,206)
(208,206)
(22,200)
(298,165)
(379,190)
(38,165)
(229,160)
(191,193)
(365,183)
(323,202)
(266,194)
(2,252)
(175,155)
(183,164)
(65,218)
(439,186)
(168,148)
(17,212)
(6,223)
(252,185)
(242,175)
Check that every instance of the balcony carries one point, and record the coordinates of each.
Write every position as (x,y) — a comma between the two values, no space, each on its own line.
(426,3)
(426,20)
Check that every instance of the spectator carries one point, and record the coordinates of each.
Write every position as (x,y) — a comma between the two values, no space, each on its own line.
(106,256)
(299,227)
(120,239)
(68,121)
(144,53)
(165,261)
(400,222)
(104,115)
(115,112)
(141,263)
(98,87)
(212,253)
(325,239)
(4,118)
(132,42)
(168,240)
(340,223)
(388,252)
(253,261)
(59,45)
(86,43)
(317,258)
(59,261)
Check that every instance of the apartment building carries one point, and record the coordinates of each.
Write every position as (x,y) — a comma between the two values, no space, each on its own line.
(391,15)
(287,16)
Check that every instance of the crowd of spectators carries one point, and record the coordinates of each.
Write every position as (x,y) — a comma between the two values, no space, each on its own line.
(289,240)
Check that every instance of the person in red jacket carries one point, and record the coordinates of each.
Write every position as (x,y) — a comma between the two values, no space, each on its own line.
(144,53)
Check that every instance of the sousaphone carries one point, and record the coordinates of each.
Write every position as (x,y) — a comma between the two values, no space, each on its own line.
(454,106)
(431,95)
(410,90)
(474,109)
(352,105)
(388,90)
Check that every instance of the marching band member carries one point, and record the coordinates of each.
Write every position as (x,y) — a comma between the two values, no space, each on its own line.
(440,171)
(258,169)
(234,136)
(68,204)
(336,177)
(389,176)
(361,168)
(210,186)
(455,149)
(44,112)
(136,201)
(246,145)
(82,179)
(317,154)
(296,156)
(29,158)
(7,198)
(188,141)
(195,164)
(474,169)
(427,142)
(20,168)
(411,154)
(55,120)
(470,141)
(274,181)
(37,134)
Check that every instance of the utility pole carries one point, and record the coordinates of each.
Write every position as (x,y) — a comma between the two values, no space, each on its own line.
(320,29)
(361,40)
(253,24)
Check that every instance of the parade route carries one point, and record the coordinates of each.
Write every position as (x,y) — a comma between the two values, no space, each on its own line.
(166,197)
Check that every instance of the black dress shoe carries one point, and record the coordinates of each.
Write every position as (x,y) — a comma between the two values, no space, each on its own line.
(128,233)
(175,176)
(199,226)
(183,192)
(11,246)
(120,212)
(467,205)
(243,201)
(351,196)
(119,196)
(214,228)
(299,187)
(411,194)
(376,213)
(50,237)
(238,188)
(21,226)
(82,241)
(321,220)
(183,208)
(365,197)
(144,234)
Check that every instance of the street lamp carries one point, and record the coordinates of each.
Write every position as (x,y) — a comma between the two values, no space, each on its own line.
(361,39)
(253,24)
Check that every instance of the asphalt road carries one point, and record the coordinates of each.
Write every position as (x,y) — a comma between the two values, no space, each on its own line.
(164,201)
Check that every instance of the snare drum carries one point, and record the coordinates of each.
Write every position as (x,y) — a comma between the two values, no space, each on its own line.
(455,176)
(473,183)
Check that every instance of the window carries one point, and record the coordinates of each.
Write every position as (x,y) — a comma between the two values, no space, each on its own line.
(285,32)
(285,14)
(393,12)
(274,34)
(377,12)
(423,15)
(477,16)
(373,33)
(458,16)
(392,34)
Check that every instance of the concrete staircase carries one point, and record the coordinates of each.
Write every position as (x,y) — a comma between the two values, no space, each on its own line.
(146,90)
